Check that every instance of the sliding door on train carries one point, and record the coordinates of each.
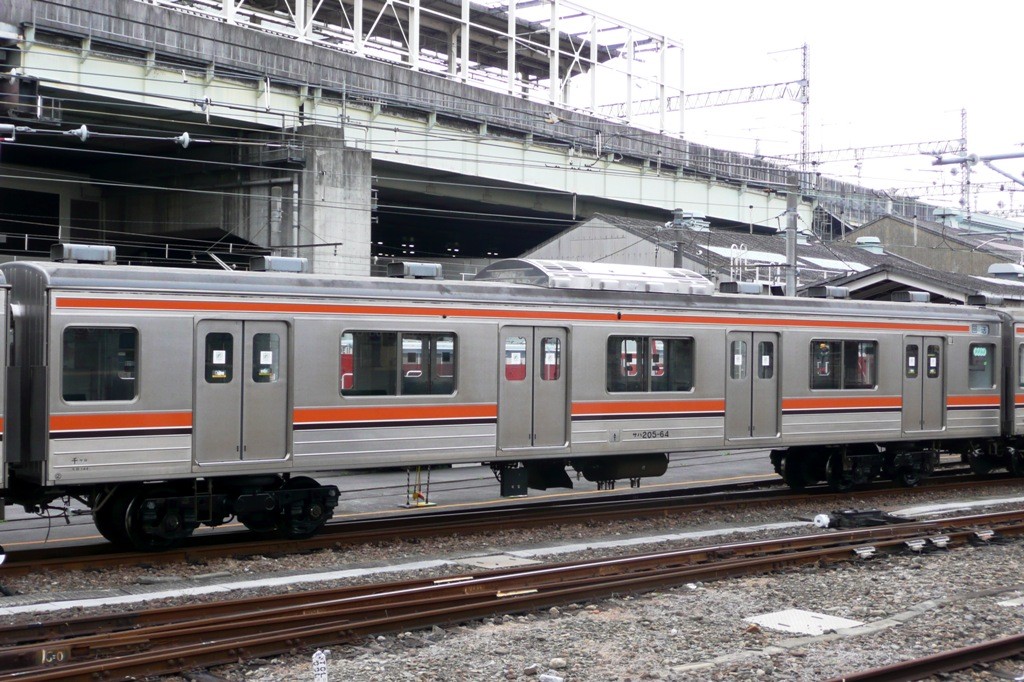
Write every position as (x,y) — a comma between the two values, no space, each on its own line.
(533,394)
(241,391)
(924,384)
(752,385)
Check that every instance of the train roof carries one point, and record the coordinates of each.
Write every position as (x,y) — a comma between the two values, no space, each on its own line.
(207,282)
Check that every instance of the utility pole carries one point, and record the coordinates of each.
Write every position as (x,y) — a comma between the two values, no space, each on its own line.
(792,200)
(965,177)
(805,101)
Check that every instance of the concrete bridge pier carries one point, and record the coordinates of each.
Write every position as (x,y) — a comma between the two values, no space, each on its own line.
(335,204)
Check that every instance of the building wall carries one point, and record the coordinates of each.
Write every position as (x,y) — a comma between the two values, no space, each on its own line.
(926,248)
(596,241)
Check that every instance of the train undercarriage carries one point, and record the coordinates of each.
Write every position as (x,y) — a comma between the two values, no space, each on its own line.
(516,477)
(159,515)
(847,466)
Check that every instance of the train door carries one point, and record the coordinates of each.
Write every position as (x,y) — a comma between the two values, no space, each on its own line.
(241,391)
(752,385)
(924,384)
(533,393)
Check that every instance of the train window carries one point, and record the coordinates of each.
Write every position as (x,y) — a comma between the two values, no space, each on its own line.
(515,358)
(369,363)
(552,370)
(981,365)
(99,364)
(911,361)
(442,369)
(657,358)
(1020,365)
(428,364)
(220,358)
(638,364)
(389,363)
(859,366)
(934,361)
(765,360)
(738,360)
(844,364)
(825,364)
(672,367)
(266,355)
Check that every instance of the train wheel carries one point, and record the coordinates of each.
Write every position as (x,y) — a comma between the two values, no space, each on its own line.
(303,519)
(838,480)
(137,534)
(110,515)
(911,478)
(794,471)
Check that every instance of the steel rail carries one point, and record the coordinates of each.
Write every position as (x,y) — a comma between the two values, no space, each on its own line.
(177,646)
(47,630)
(943,662)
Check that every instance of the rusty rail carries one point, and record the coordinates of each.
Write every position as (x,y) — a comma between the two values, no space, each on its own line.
(171,640)
(943,662)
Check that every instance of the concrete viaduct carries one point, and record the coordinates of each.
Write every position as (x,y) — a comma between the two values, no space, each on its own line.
(178,128)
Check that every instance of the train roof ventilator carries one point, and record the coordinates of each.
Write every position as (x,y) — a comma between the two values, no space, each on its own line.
(83,253)
(278,264)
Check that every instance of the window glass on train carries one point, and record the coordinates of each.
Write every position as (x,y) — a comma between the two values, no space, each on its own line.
(844,364)
(266,352)
(220,358)
(911,361)
(640,363)
(859,366)
(825,367)
(552,359)
(428,364)
(765,360)
(1020,365)
(981,365)
(99,364)
(389,363)
(933,358)
(515,358)
(738,366)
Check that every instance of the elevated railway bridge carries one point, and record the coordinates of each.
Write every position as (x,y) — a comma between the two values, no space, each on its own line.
(348,131)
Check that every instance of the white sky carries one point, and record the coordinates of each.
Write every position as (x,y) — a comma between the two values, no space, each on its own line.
(881,73)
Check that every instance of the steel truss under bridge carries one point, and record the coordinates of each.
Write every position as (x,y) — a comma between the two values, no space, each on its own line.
(543,50)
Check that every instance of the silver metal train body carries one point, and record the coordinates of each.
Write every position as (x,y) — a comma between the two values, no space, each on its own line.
(166,398)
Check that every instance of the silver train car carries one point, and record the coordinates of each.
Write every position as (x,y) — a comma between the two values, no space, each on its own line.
(166,399)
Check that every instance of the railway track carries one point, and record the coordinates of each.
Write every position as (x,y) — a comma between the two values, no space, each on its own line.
(170,640)
(465,521)
(943,662)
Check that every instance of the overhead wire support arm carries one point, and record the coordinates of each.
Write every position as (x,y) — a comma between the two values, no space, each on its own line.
(793,90)
(973,159)
(931,148)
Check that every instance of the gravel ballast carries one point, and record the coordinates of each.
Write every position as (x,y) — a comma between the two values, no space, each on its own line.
(910,606)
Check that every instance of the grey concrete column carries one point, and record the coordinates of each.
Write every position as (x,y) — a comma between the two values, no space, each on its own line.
(334,201)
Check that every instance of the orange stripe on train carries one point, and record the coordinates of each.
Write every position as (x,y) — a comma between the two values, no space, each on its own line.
(119,420)
(312,415)
(973,401)
(837,403)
